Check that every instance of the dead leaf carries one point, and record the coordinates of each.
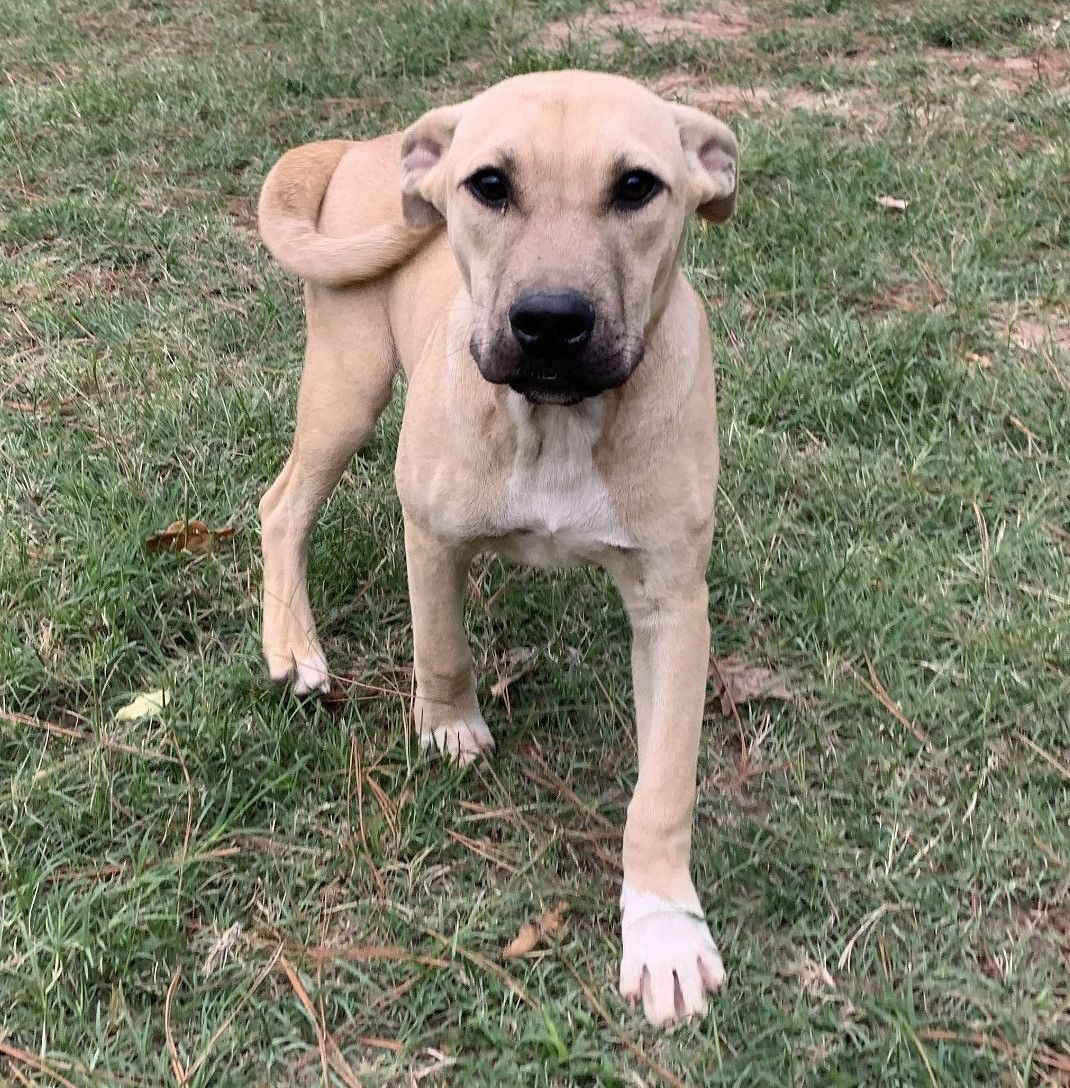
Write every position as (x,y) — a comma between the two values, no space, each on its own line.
(893,203)
(511,666)
(146,705)
(813,976)
(189,536)
(222,949)
(738,683)
(524,942)
(550,920)
(530,933)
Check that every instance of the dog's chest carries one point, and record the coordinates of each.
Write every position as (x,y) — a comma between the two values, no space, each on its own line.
(558,509)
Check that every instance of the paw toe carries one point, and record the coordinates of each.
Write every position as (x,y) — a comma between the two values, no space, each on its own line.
(690,996)
(311,675)
(462,742)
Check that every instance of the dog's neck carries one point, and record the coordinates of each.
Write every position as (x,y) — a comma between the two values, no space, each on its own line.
(571,431)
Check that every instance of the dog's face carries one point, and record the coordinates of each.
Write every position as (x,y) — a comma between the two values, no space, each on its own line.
(565,196)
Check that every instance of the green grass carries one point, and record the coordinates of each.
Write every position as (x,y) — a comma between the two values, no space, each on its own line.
(895,489)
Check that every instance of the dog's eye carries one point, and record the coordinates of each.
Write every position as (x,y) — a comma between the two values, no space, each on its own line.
(635,188)
(489,187)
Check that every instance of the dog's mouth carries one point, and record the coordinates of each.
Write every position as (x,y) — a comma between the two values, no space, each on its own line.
(549,388)
(553,379)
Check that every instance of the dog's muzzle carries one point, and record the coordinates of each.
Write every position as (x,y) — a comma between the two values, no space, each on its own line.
(552,330)
(556,353)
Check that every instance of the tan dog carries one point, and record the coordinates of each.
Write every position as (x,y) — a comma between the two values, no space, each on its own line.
(560,408)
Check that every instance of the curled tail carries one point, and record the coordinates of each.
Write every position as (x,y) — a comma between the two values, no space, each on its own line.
(289,210)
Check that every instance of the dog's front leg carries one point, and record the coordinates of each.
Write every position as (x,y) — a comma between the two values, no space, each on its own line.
(445,710)
(669,958)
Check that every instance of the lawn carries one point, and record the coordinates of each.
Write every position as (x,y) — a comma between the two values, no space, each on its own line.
(244,889)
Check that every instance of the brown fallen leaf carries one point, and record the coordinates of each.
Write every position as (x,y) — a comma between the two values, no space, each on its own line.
(813,976)
(530,933)
(189,536)
(893,203)
(512,665)
(526,939)
(737,682)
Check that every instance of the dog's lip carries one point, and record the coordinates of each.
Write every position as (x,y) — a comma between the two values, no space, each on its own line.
(547,388)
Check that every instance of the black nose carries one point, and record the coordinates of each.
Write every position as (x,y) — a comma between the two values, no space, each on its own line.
(549,321)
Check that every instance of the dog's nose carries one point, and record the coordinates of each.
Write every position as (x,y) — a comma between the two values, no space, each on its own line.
(551,321)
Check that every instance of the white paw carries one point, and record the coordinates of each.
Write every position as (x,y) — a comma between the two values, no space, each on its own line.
(461,740)
(310,673)
(668,957)
(307,671)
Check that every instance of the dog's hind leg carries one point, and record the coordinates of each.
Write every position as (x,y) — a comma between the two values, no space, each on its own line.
(345,386)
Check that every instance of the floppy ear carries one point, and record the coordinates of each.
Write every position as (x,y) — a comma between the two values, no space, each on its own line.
(711,153)
(423,181)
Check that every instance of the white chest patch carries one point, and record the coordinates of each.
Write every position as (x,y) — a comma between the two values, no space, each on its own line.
(557,507)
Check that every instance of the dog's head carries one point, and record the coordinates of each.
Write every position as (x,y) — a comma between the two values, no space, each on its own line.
(565,196)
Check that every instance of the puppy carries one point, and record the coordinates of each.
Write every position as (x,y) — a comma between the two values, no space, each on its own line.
(517,257)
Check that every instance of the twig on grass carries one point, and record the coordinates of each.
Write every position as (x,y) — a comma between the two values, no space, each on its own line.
(184,856)
(82,735)
(119,868)
(551,781)
(482,850)
(14,1054)
(744,749)
(393,994)
(172,1049)
(329,1052)
(484,964)
(218,1033)
(358,788)
(318,954)
(1043,1055)
(20,1076)
(1046,756)
(880,693)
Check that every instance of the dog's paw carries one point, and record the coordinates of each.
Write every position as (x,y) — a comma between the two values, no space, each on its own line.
(306,669)
(311,673)
(669,958)
(461,740)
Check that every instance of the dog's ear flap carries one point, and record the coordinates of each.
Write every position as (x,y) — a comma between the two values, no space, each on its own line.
(712,153)
(423,182)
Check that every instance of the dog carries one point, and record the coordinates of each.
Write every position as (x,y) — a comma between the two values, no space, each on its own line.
(560,408)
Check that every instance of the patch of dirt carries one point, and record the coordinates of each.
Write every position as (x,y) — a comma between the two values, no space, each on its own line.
(21,70)
(141,34)
(1043,336)
(723,20)
(733,98)
(909,296)
(1034,335)
(1009,74)
(1035,332)
(94,281)
(242,210)
(1046,932)
(331,108)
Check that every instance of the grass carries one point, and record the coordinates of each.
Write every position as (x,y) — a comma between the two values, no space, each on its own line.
(888,870)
